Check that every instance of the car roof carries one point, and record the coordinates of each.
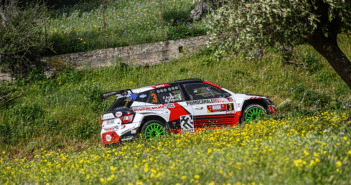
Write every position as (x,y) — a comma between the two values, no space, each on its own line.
(156,86)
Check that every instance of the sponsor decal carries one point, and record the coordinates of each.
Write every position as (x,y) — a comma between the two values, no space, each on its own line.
(220,100)
(176,97)
(160,86)
(220,107)
(108,137)
(154,98)
(133,131)
(149,108)
(142,96)
(109,129)
(230,112)
(216,108)
(194,102)
(230,99)
(109,122)
(187,123)
(118,114)
(170,105)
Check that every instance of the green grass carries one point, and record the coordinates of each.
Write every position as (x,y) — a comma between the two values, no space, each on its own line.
(65,109)
(292,150)
(81,27)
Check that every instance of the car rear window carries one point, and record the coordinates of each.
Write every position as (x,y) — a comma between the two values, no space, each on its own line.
(121,103)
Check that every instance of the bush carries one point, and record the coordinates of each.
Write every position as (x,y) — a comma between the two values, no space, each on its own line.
(22,38)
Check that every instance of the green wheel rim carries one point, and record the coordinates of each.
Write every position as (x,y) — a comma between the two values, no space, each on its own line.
(254,113)
(154,130)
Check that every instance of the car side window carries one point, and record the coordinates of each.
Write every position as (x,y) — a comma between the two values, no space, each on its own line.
(198,91)
(153,98)
(143,97)
(170,94)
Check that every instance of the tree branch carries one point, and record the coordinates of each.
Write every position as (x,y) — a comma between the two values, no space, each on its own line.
(2,97)
(12,98)
(3,17)
(293,62)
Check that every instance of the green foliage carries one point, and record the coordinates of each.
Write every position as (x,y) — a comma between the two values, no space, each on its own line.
(22,37)
(241,26)
(313,64)
(312,99)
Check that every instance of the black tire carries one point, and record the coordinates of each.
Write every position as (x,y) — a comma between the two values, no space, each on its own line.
(248,112)
(153,128)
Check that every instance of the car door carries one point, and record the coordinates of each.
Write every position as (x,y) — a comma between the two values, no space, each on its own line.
(210,106)
(173,99)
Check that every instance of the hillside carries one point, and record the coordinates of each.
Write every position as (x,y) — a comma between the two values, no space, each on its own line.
(95,25)
(65,110)
(57,123)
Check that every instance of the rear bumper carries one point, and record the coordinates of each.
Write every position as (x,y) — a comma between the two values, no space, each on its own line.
(272,109)
(110,137)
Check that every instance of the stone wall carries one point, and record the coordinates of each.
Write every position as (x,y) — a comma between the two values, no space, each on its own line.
(143,54)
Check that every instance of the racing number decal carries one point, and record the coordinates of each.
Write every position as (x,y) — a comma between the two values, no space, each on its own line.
(154,98)
(187,123)
(230,106)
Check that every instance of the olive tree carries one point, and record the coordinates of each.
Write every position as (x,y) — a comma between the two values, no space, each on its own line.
(244,25)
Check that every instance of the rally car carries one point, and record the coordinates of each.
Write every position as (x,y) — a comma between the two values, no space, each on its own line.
(181,106)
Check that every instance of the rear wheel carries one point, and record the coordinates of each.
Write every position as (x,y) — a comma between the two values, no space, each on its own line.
(252,112)
(153,128)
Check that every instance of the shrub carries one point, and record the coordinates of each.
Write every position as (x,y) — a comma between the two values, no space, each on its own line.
(22,37)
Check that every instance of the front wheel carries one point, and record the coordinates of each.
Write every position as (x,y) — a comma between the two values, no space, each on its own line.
(252,112)
(153,128)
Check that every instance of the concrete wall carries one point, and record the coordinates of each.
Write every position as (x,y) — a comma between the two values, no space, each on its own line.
(143,54)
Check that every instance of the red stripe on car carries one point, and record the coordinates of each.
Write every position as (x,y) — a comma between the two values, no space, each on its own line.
(176,112)
(160,86)
(214,85)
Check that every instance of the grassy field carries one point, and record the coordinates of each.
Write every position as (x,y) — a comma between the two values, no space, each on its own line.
(81,28)
(52,133)
(64,111)
(297,150)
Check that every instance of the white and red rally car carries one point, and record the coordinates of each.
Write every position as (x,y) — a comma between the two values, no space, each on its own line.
(180,106)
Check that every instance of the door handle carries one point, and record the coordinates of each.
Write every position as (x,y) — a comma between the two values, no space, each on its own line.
(199,108)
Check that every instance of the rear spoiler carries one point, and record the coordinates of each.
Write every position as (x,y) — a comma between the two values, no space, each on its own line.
(120,92)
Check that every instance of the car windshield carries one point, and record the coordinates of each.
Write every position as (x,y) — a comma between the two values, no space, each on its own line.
(120,103)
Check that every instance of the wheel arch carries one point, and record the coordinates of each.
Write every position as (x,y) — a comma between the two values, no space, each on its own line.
(254,101)
(153,117)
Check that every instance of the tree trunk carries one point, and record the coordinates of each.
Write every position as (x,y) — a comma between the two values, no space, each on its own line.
(330,50)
